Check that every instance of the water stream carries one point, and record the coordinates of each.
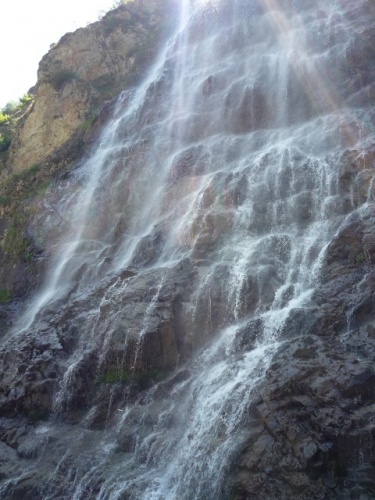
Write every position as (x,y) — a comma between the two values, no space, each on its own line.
(223,158)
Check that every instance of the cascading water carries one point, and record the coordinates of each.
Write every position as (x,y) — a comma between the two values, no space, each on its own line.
(196,233)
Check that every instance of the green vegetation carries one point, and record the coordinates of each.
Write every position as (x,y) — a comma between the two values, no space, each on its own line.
(38,415)
(114,376)
(5,140)
(10,108)
(4,200)
(40,189)
(4,118)
(88,123)
(360,258)
(103,83)
(26,177)
(8,118)
(25,99)
(13,106)
(5,295)
(20,187)
(15,243)
(62,77)
(34,169)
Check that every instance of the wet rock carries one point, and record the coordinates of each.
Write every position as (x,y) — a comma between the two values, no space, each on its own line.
(312,408)
(33,445)
(114,345)
(29,374)
(134,351)
(356,174)
(192,161)
(247,111)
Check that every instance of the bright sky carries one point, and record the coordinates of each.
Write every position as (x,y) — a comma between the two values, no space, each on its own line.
(28,28)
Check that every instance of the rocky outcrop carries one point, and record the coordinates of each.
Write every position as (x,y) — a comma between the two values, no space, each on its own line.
(312,428)
(144,345)
(77,81)
(103,382)
(84,69)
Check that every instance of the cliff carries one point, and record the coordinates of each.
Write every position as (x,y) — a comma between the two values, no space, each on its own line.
(83,70)
(188,269)
(72,99)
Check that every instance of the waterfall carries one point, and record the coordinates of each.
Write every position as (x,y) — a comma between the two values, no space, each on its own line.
(195,235)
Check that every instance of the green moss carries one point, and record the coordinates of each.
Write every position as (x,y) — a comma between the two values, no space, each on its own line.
(5,295)
(25,183)
(4,200)
(114,376)
(42,188)
(22,186)
(33,170)
(360,258)
(24,176)
(15,243)
(88,123)
(38,415)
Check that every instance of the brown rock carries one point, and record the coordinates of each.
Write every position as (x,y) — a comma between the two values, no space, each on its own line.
(81,71)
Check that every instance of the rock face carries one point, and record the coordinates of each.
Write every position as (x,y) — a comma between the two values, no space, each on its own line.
(81,71)
(77,81)
(203,320)
(314,424)
(312,430)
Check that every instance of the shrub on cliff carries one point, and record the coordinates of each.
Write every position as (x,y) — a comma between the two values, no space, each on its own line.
(12,107)
(25,99)
(5,141)
(61,77)
(4,118)
(9,115)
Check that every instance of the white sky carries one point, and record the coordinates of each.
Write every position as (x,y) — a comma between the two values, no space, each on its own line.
(28,28)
